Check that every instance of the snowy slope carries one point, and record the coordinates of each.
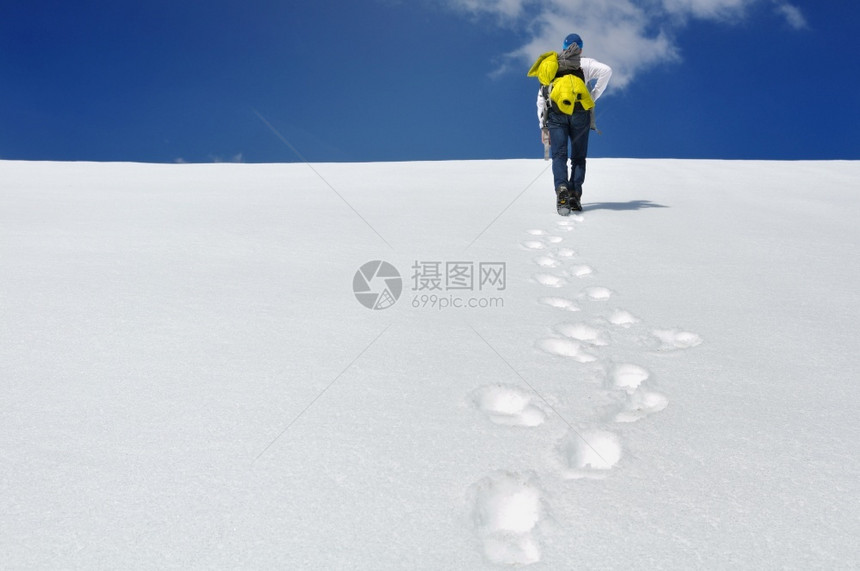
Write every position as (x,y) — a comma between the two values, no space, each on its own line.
(668,380)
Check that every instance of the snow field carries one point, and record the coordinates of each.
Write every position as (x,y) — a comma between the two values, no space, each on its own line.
(188,380)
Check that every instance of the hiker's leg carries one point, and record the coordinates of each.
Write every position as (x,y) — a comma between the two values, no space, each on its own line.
(559,134)
(580,126)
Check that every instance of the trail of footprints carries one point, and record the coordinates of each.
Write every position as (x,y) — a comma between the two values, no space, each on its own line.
(509,509)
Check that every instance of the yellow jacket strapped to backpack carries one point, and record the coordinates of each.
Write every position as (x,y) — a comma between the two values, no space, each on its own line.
(545,68)
(567,91)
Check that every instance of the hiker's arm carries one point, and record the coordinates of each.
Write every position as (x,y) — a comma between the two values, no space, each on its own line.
(599,72)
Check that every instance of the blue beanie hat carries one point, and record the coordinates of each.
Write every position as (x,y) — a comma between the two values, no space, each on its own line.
(572,39)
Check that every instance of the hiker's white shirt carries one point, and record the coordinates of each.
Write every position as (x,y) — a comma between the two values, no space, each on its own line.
(592,70)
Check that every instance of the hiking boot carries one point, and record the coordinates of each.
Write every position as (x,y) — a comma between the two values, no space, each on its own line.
(575,198)
(562,200)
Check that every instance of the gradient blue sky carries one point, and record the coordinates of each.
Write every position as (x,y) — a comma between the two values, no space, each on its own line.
(382,80)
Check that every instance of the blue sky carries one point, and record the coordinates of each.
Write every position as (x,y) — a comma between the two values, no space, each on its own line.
(383,80)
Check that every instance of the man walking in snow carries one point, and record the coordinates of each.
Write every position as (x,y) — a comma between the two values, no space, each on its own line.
(570,86)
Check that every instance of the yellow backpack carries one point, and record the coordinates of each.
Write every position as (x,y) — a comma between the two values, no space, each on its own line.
(565,91)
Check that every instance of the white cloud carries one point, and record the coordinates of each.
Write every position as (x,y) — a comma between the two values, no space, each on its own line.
(629,35)
(792,15)
(706,9)
(507,9)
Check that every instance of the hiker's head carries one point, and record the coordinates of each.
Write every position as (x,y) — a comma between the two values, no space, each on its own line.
(572,39)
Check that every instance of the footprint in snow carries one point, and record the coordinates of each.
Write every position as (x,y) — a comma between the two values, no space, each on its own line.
(547,262)
(589,454)
(565,348)
(533,245)
(550,280)
(628,377)
(639,404)
(559,303)
(583,332)
(623,318)
(581,271)
(596,293)
(565,253)
(571,220)
(544,236)
(675,339)
(507,512)
(508,405)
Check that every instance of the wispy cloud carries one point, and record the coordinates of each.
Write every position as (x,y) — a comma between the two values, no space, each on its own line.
(792,15)
(627,34)
(707,9)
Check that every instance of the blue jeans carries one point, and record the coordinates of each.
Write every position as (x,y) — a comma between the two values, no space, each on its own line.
(573,129)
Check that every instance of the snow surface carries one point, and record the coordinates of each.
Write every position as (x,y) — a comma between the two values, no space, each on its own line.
(668,380)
